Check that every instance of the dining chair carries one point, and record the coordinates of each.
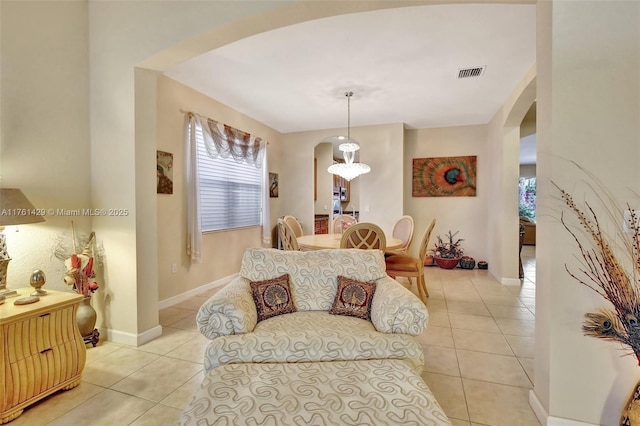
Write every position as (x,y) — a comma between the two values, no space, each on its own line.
(342,222)
(287,236)
(403,230)
(294,224)
(401,265)
(364,235)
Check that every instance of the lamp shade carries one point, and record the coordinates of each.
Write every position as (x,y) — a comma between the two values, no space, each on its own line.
(16,209)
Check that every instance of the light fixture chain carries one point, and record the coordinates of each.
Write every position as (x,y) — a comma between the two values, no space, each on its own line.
(348,95)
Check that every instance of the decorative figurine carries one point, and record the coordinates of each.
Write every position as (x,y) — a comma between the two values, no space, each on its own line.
(38,279)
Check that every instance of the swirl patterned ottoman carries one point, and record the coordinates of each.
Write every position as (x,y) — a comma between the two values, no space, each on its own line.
(367,392)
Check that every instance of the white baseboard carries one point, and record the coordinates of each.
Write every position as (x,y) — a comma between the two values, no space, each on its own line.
(557,421)
(510,281)
(545,419)
(139,339)
(131,339)
(538,408)
(162,304)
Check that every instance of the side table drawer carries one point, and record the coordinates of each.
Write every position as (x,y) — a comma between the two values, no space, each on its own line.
(33,375)
(34,335)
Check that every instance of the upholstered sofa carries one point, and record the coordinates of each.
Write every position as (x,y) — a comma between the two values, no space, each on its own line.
(312,334)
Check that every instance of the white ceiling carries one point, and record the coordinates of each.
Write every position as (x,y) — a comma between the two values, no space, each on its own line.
(402,65)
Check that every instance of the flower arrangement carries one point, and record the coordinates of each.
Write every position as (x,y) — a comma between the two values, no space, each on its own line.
(449,249)
(80,272)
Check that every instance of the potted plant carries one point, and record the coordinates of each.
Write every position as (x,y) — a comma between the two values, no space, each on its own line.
(448,253)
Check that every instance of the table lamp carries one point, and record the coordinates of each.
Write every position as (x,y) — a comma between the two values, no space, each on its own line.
(15,209)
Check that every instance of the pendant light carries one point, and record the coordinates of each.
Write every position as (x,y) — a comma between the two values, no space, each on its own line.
(349,170)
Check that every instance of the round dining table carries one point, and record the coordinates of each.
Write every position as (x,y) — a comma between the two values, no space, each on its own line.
(332,241)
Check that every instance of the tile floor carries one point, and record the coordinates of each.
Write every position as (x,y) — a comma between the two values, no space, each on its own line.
(478,350)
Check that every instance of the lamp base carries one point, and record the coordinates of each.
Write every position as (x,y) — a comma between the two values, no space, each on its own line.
(4,263)
(6,292)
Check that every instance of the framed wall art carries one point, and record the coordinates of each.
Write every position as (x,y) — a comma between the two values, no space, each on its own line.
(164,172)
(273,185)
(444,177)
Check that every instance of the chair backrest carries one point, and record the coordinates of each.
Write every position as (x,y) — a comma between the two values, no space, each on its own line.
(403,230)
(287,237)
(294,225)
(342,222)
(424,244)
(364,235)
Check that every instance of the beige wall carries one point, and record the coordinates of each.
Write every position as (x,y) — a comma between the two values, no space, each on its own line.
(588,109)
(503,132)
(323,153)
(44,147)
(221,251)
(527,170)
(381,147)
(122,138)
(464,214)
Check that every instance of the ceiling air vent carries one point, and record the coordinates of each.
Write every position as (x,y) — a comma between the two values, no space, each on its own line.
(470,72)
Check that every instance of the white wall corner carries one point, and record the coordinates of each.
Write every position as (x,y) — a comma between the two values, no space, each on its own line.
(510,281)
(538,408)
(148,335)
(131,339)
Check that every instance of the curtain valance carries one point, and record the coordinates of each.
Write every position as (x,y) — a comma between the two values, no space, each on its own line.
(222,140)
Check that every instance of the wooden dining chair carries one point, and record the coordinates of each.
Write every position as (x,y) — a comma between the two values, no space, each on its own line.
(364,235)
(342,222)
(294,224)
(401,265)
(403,230)
(287,236)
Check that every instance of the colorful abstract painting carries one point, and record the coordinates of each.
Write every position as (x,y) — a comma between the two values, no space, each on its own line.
(444,176)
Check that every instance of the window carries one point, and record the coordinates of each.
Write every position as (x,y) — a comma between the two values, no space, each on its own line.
(230,192)
(527,198)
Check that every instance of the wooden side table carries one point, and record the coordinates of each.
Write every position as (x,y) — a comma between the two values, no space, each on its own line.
(41,350)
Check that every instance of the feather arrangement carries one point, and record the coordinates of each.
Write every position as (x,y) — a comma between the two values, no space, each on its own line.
(603,270)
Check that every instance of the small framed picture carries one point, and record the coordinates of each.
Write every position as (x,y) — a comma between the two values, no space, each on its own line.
(164,172)
(273,185)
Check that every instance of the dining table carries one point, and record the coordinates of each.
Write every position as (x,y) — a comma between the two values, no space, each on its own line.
(332,241)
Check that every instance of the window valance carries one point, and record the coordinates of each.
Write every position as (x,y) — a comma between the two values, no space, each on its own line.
(222,140)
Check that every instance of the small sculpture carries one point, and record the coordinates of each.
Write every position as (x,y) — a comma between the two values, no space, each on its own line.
(38,279)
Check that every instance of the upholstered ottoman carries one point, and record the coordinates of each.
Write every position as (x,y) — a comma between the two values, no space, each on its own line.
(366,392)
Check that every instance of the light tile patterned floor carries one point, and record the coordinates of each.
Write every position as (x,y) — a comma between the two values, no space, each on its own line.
(479,345)
(478,360)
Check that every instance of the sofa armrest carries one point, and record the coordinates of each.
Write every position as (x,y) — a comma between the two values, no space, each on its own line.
(230,311)
(397,310)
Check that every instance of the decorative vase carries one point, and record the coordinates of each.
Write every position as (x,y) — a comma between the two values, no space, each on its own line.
(445,263)
(86,317)
(467,262)
(631,413)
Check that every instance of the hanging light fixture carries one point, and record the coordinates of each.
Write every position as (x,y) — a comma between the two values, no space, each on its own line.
(349,170)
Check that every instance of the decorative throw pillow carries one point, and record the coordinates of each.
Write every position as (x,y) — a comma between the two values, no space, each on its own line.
(272,297)
(353,298)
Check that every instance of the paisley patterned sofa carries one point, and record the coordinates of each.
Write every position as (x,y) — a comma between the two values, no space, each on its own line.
(311,334)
